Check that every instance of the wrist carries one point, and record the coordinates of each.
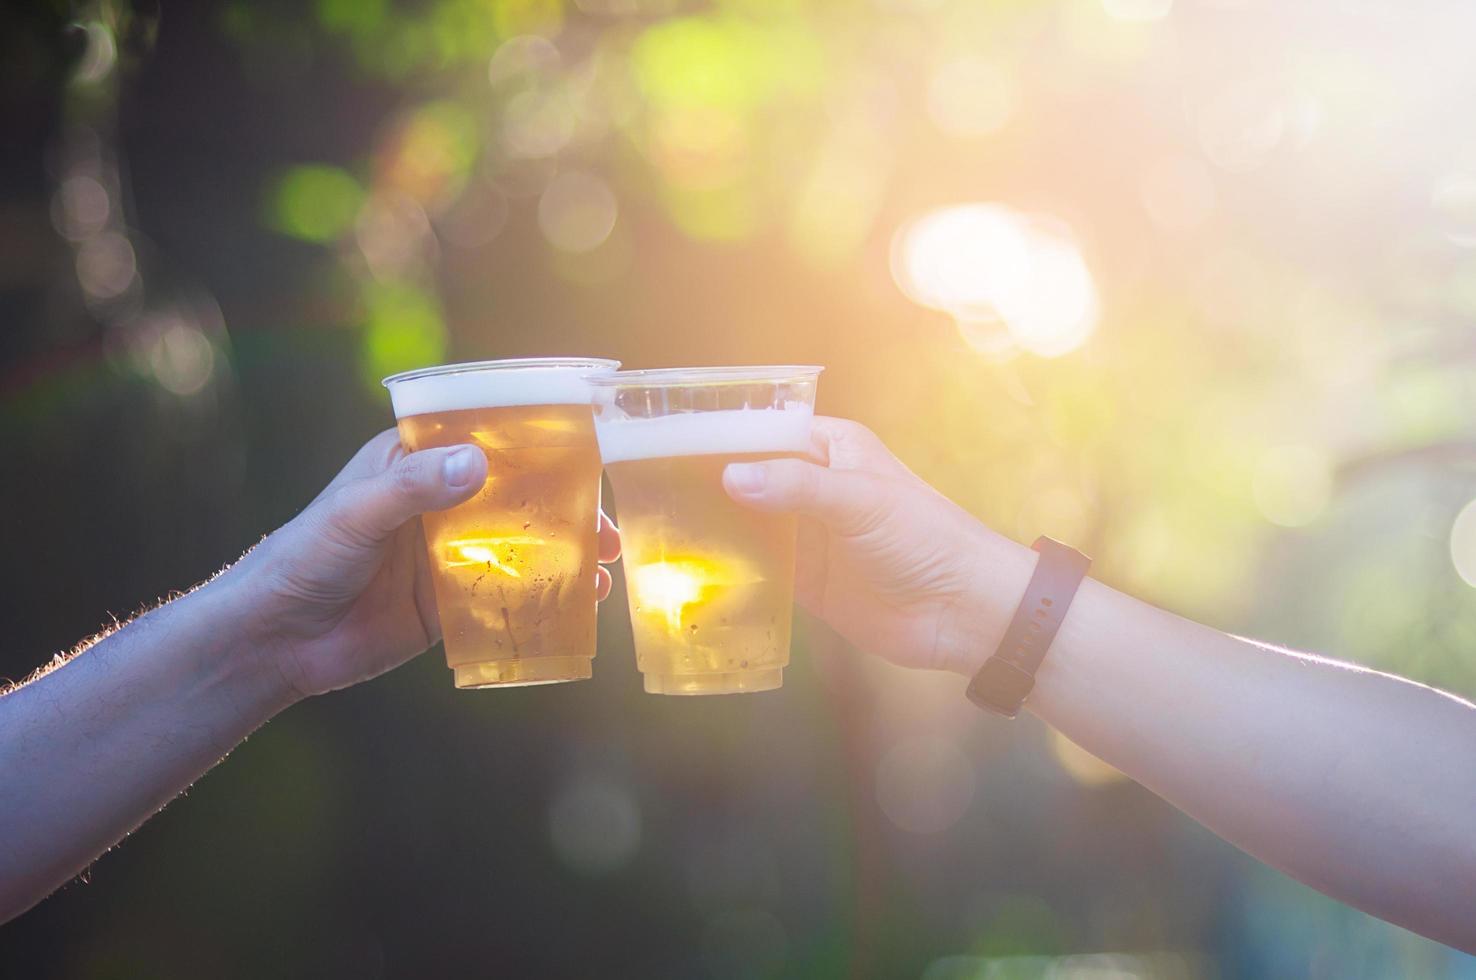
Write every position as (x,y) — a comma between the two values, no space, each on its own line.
(233,606)
(973,624)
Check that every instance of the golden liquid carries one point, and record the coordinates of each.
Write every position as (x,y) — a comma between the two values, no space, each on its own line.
(711,584)
(514,567)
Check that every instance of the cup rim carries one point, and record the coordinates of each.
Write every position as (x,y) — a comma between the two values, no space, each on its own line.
(732,374)
(506,364)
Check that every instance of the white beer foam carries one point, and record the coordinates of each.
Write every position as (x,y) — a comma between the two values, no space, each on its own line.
(504,388)
(741,430)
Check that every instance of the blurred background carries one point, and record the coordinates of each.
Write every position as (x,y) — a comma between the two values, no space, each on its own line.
(1187,282)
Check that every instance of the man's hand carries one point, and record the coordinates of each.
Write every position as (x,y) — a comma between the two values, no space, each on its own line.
(342,593)
(895,567)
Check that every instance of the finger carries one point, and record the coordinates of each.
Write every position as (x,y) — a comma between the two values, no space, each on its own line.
(375,456)
(847,445)
(609,539)
(845,501)
(603,583)
(425,593)
(432,479)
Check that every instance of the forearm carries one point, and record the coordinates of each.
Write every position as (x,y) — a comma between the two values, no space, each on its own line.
(90,750)
(1357,783)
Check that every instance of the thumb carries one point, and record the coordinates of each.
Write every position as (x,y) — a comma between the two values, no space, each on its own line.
(432,479)
(846,501)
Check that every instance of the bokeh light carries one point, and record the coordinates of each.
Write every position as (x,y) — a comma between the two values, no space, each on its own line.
(924,784)
(971,97)
(576,212)
(984,263)
(180,356)
(595,825)
(1178,193)
(394,234)
(315,202)
(749,942)
(1243,121)
(99,54)
(403,329)
(1203,282)
(1453,199)
(537,123)
(1292,484)
(477,217)
(1138,10)
(106,265)
(81,207)
(1463,543)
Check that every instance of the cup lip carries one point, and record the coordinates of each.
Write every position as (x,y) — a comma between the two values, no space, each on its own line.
(506,364)
(732,374)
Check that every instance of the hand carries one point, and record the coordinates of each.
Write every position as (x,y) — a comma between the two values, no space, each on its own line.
(892,565)
(342,593)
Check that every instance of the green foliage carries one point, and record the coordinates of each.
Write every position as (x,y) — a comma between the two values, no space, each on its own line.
(403,329)
(314,202)
(357,17)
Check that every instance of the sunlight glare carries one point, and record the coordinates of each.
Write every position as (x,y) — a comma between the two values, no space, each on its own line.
(669,587)
(490,553)
(983,263)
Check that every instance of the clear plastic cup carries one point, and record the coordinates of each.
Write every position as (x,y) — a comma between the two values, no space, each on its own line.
(514,566)
(711,583)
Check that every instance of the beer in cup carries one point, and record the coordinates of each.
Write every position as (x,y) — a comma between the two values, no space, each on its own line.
(514,566)
(710,583)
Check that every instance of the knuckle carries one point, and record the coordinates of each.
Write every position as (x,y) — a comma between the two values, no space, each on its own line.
(407,477)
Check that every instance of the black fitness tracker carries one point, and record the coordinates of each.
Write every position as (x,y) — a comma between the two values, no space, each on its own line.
(1006,678)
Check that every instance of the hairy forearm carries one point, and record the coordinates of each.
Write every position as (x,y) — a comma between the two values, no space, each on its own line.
(1360,784)
(91,749)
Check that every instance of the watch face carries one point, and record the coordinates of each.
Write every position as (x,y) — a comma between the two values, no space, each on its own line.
(1001,687)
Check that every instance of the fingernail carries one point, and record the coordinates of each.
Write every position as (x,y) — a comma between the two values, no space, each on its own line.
(458,468)
(747,477)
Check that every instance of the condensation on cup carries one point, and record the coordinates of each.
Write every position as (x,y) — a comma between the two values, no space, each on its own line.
(513,567)
(710,583)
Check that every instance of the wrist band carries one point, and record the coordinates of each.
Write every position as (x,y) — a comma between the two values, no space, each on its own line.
(1006,678)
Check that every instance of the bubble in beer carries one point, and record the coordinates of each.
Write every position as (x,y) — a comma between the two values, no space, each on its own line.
(595,825)
(925,784)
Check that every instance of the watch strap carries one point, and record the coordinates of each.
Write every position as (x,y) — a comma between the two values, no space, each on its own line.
(1007,678)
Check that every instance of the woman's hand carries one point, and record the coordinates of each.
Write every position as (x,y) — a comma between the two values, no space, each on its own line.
(894,566)
(342,592)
